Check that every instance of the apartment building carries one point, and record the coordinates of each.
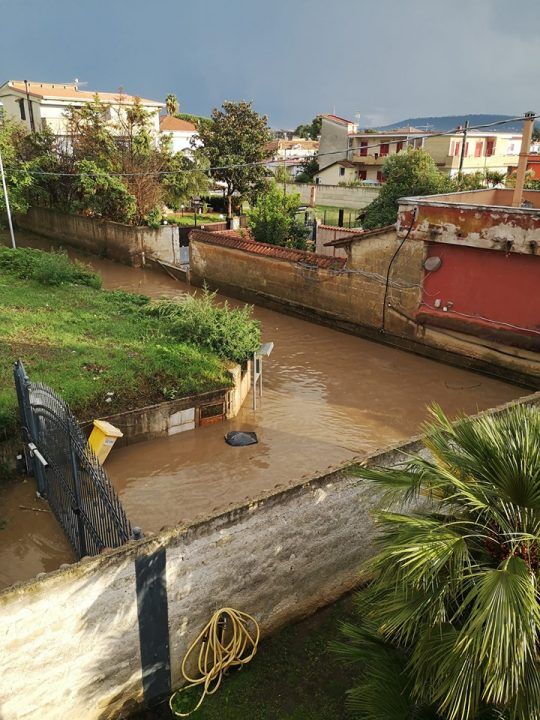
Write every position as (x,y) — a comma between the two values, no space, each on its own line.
(39,105)
(347,155)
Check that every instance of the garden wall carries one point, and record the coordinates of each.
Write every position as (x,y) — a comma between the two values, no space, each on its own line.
(333,195)
(353,296)
(94,638)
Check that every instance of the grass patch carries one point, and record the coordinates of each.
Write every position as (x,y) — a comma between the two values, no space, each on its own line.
(329,215)
(86,342)
(294,676)
(189,219)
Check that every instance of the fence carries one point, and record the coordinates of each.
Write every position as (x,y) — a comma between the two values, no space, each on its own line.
(67,472)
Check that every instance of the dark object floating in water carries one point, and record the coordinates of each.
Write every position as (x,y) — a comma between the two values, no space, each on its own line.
(239,438)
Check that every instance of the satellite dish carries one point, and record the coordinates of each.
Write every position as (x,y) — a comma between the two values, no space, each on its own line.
(432,263)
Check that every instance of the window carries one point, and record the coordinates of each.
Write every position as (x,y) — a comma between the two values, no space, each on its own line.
(379,176)
(478,148)
(362,174)
(490,148)
(466,149)
(385,149)
(363,147)
(399,146)
(341,171)
(21,109)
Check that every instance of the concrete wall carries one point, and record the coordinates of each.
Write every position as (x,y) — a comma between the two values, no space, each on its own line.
(70,640)
(334,195)
(353,298)
(327,233)
(123,243)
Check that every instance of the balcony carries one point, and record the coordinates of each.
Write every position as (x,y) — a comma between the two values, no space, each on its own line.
(375,159)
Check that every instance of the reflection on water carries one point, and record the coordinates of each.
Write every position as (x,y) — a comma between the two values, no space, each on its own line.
(328,396)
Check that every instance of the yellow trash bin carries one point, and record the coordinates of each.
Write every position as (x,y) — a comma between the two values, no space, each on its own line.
(102,438)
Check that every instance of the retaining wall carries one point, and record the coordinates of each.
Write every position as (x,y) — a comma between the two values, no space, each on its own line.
(333,195)
(93,639)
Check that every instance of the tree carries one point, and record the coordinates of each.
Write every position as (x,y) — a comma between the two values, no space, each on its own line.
(273,219)
(311,131)
(171,104)
(18,177)
(450,619)
(411,173)
(310,167)
(234,145)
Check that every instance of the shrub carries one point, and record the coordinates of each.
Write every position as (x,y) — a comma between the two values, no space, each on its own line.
(273,220)
(231,333)
(47,268)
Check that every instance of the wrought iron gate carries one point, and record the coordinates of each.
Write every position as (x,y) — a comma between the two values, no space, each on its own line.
(67,472)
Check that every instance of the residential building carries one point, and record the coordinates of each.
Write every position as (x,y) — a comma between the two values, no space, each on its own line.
(181,132)
(339,172)
(369,150)
(39,105)
(291,153)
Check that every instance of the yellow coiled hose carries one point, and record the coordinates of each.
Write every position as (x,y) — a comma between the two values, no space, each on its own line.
(229,639)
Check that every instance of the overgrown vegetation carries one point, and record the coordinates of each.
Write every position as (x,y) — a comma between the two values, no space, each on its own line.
(110,165)
(449,623)
(231,333)
(108,351)
(273,219)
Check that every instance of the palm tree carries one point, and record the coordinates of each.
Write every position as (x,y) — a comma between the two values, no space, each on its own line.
(450,615)
(171,104)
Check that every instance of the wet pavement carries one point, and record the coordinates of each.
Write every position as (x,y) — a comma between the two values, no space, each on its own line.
(328,396)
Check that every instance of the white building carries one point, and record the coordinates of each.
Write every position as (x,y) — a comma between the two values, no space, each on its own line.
(41,105)
(291,153)
(180,131)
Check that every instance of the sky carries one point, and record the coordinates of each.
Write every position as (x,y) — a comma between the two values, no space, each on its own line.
(384,59)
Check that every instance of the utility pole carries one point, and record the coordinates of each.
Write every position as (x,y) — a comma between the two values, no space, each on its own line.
(8,209)
(462,155)
(528,125)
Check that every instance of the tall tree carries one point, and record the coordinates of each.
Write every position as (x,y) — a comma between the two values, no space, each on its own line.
(310,131)
(450,620)
(171,104)
(410,173)
(234,144)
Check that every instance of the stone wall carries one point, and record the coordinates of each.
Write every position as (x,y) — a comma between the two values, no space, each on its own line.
(75,643)
(357,298)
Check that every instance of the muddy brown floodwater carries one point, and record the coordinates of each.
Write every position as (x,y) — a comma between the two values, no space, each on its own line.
(328,397)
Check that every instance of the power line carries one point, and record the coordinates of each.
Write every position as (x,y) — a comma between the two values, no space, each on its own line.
(270,161)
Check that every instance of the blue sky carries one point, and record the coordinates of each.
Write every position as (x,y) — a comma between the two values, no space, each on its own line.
(384,59)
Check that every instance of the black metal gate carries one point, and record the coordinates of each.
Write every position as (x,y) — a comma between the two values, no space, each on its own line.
(67,472)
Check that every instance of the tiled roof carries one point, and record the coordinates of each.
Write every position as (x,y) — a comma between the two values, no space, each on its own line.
(289,144)
(232,239)
(338,119)
(55,91)
(341,242)
(169,123)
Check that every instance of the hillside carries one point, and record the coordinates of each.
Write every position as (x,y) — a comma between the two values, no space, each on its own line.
(449,122)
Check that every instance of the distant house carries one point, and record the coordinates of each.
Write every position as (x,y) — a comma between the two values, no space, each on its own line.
(340,171)
(291,153)
(43,105)
(368,150)
(181,132)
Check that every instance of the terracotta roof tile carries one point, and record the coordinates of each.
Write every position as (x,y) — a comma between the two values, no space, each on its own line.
(231,239)
(340,242)
(168,123)
(70,92)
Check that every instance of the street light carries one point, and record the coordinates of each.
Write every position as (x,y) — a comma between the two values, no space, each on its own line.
(4,188)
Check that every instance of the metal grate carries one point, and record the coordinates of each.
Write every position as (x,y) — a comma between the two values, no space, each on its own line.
(67,472)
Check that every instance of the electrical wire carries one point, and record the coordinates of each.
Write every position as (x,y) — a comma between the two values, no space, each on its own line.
(394,256)
(269,161)
(229,639)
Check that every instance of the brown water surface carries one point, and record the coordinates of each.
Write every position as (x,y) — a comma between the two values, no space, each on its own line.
(328,396)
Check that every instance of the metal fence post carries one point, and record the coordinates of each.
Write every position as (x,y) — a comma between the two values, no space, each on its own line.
(77,499)
(22,385)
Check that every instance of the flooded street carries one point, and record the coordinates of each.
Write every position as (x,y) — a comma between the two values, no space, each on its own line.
(328,396)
